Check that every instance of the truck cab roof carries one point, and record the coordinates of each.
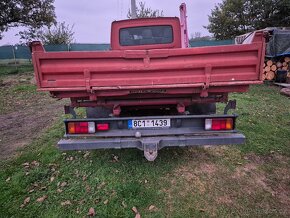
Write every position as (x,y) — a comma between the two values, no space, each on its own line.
(146,33)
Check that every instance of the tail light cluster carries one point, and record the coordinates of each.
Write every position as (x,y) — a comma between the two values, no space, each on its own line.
(217,124)
(86,127)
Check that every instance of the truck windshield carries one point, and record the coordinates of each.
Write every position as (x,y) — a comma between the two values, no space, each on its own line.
(146,35)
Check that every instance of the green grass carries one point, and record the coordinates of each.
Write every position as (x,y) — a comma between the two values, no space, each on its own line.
(196,182)
(25,88)
(264,117)
(11,69)
(123,181)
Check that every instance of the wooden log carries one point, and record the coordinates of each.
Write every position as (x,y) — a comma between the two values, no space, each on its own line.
(279,64)
(269,63)
(267,69)
(285,91)
(273,67)
(287,59)
(263,76)
(284,64)
(285,68)
(270,75)
(264,65)
(288,78)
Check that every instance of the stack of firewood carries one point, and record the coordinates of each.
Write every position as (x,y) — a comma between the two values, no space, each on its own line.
(271,67)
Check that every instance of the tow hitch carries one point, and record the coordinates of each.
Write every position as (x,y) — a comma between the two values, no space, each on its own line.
(150,150)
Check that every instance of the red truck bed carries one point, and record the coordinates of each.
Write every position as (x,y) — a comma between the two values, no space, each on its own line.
(204,70)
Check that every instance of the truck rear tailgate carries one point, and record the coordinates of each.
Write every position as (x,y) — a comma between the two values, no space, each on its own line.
(211,66)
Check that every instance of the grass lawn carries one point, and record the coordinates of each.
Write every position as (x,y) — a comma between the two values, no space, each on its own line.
(11,69)
(248,180)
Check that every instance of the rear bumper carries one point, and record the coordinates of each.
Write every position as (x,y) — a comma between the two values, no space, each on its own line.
(158,141)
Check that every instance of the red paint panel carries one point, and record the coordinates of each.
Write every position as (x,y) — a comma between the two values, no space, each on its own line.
(218,66)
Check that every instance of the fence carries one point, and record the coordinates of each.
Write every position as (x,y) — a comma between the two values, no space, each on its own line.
(21,54)
(211,43)
(14,52)
(18,53)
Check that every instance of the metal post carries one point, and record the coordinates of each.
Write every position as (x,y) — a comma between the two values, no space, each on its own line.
(14,57)
(183,24)
(133,9)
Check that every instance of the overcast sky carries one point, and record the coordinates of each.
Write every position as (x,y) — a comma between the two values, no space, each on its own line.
(92,19)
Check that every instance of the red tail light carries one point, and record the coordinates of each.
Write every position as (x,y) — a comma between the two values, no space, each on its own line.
(81,127)
(103,126)
(219,124)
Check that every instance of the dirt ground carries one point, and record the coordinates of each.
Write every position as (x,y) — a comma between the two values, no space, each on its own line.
(24,112)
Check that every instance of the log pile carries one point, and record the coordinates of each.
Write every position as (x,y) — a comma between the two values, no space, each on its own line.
(271,67)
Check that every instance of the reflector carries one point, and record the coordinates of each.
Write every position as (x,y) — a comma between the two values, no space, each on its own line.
(103,126)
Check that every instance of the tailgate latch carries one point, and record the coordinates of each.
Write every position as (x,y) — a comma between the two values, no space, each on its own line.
(204,91)
(87,77)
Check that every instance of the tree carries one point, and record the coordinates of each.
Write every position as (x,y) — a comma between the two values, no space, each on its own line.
(143,12)
(26,13)
(29,34)
(197,37)
(235,17)
(59,34)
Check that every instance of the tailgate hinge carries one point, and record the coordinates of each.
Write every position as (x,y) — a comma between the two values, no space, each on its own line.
(146,60)
(204,91)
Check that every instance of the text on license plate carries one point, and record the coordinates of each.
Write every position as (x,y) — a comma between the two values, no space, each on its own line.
(152,123)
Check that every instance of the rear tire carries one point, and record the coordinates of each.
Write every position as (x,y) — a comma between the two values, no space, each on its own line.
(98,112)
(202,109)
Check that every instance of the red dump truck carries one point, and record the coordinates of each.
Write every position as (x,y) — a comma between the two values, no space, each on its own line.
(150,90)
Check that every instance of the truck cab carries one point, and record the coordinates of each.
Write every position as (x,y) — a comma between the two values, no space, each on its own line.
(146,33)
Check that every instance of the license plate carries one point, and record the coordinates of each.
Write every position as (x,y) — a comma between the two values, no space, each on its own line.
(152,123)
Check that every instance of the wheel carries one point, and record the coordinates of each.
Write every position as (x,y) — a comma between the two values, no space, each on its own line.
(98,112)
(202,109)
